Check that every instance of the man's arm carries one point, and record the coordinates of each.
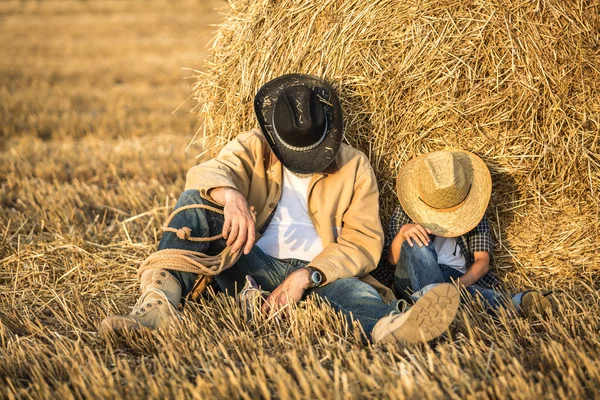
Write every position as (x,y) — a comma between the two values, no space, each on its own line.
(238,227)
(290,291)
(358,248)
(226,179)
(232,167)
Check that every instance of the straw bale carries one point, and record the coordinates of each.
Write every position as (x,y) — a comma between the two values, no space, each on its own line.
(79,212)
(516,82)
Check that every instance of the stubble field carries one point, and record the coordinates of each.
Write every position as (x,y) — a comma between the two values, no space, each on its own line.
(92,159)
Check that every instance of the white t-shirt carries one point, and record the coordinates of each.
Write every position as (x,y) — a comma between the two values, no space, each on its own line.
(291,233)
(448,252)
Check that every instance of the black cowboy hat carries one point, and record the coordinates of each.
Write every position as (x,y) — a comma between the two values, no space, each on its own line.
(301,118)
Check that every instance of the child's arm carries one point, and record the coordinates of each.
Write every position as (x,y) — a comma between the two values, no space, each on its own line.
(393,254)
(412,233)
(479,268)
(480,243)
(398,219)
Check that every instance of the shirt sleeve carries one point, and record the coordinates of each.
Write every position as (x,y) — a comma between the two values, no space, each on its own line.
(397,220)
(480,238)
(232,167)
(384,272)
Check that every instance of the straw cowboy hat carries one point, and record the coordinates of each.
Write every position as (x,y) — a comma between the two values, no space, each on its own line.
(301,118)
(445,191)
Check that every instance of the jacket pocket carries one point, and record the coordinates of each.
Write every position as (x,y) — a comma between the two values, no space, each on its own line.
(336,226)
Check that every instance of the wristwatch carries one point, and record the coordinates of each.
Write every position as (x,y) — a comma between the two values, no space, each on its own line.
(315,277)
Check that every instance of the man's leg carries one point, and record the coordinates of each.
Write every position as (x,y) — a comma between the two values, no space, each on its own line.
(356,300)
(163,289)
(385,323)
(202,223)
(265,270)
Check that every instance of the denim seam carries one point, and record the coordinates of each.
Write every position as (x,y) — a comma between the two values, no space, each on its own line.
(416,276)
(350,312)
(214,219)
(273,274)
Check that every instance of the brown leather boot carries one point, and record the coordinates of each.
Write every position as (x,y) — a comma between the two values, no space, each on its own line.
(156,308)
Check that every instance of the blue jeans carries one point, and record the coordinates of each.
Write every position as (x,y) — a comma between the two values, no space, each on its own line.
(421,266)
(356,300)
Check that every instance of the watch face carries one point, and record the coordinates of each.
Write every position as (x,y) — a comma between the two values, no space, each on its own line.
(316,278)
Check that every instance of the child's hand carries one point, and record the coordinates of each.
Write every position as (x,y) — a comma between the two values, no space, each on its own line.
(417,233)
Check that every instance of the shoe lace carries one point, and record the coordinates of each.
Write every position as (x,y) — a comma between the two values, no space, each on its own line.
(139,305)
(403,306)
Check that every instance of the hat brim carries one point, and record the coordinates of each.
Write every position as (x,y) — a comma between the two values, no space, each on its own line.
(309,161)
(459,220)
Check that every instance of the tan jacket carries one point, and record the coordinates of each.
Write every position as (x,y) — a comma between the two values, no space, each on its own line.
(343,201)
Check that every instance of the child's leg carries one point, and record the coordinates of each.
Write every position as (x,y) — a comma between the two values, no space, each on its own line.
(532,302)
(492,299)
(421,266)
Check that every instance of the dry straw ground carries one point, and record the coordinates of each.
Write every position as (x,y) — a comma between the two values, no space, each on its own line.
(91,161)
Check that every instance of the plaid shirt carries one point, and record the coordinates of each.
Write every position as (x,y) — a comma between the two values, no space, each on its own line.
(479,239)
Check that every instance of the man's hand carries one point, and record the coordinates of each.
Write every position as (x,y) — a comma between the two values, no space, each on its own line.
(238,227)
(417,233)
(290,291)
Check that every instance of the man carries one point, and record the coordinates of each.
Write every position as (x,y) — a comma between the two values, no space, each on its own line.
(317,228)
(439,232)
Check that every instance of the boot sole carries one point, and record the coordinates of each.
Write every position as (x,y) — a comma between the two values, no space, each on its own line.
(429,317)
(536,304)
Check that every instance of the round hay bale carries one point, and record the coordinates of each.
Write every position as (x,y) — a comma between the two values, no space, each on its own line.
(516,82)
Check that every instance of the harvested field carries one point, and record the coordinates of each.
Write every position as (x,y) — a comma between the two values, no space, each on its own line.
(92,160)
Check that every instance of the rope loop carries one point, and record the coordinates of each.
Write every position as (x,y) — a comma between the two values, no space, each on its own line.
(184,233)
(188,260)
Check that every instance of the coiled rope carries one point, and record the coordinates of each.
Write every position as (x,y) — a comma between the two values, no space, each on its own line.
(192,261)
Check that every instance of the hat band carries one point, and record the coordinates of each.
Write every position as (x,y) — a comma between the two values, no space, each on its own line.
(305,148)
(460,203)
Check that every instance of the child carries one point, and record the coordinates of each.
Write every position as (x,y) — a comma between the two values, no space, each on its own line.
(439,232)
